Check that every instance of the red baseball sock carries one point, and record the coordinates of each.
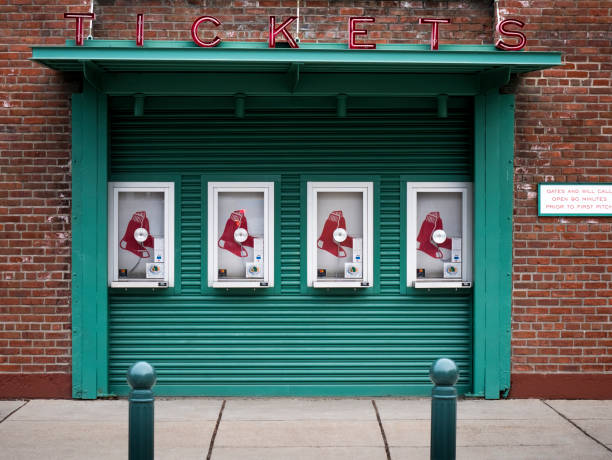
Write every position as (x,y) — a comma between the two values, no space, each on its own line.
(129,243)
(236,220)
(447,243)
(424,243)
(348,242)
(326,240)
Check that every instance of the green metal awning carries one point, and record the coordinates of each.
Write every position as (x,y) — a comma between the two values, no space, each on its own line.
(111,63)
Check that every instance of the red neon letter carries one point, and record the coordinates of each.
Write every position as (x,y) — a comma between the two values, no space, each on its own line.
(434,29)
(139,29)
(501,29)
(79,24)
(353,32)
(194,31)
(282,29)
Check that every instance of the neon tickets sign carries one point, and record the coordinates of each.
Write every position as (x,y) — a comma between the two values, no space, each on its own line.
(356,31)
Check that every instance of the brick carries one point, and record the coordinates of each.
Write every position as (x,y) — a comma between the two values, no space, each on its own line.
(563,129)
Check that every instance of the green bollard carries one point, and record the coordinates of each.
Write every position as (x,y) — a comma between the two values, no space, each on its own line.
(141,378)
(444,374)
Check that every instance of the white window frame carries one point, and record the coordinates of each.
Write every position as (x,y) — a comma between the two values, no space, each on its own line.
(412,189)
(214,188)
(114,188)
(367,189)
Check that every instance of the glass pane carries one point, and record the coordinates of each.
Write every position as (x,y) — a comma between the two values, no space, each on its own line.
(240,235)
(141,235)
(339,235)
(439,226)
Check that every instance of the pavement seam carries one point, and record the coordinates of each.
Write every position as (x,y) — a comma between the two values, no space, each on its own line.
(214,435)
(12,412)
(579,428)
(382,431)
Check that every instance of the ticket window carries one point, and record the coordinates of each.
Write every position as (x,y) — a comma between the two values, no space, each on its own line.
(439,232)
(340,234)
(141,234)
(240,234)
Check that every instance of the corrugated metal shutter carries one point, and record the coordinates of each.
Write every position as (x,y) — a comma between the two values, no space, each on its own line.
(290,344)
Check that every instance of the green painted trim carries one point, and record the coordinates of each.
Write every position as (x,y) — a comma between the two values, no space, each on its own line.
(102,247)
(149,177)
(403,231)
(491,244)
(260,83)
(104,51)
(571,215)
(89,294)
(295,102)
(493,192)
(292,390)
(220,292)
(479,265)
(77,243)
(434,178)
(304,288)
(506,204)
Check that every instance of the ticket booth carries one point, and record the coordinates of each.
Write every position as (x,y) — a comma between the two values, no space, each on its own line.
(291,222)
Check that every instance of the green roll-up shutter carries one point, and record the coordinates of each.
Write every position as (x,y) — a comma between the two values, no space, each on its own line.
(381,342)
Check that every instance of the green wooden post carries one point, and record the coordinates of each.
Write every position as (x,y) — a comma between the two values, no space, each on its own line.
(89,244)
(444,374)
(141,377)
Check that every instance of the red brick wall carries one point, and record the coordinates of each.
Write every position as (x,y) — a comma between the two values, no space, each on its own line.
(34,205)
(561,313)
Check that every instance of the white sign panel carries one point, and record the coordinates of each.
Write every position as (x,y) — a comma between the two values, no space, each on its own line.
(574,199)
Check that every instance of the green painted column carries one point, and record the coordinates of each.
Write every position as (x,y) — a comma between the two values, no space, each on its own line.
(89,244)
(493,207)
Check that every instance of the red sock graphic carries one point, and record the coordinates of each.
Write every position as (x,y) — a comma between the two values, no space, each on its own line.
(348,242)
(447,243)
(326,241)
(129,243)
(424,242)
(236,220)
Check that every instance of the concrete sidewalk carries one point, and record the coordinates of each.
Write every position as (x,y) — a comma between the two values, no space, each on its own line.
(300,429)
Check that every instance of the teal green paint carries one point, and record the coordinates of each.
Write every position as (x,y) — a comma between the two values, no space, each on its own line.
(317,106)
(93,75)
(493,188)
(390,235)
(290,343)
(77,246)
(102,246)
(403,243)
(257,83)
(178,232)
(124,56)
(480,263)
(89,214)
(506,191)
(492,243)
(304,288)
(494,79)
(243,177)
(305,342)
(400,388)
(422,326)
